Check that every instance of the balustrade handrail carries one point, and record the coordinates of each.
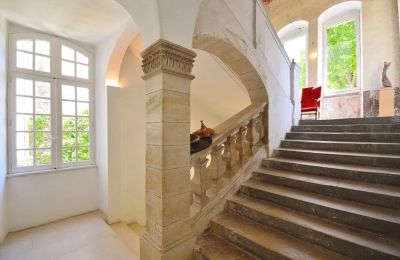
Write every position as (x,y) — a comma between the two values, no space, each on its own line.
(230,127)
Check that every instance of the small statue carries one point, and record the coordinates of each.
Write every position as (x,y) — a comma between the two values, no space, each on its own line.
(385,80)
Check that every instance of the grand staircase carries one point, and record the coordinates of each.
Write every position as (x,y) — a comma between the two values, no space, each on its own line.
(331,191)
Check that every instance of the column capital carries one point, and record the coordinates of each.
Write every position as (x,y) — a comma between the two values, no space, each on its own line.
(168,57)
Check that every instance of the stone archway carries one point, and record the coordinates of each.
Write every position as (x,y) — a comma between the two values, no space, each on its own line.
(237,62)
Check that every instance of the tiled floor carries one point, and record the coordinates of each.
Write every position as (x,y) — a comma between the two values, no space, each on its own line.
(85,237)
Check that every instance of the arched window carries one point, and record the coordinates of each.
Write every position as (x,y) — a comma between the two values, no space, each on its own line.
(341,56)
(50,103)
(294,38)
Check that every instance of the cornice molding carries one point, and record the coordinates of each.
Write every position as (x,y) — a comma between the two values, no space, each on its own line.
(168,57)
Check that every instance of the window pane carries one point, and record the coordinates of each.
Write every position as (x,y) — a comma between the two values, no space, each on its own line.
(43,123)
(42,89)
(83,109)
(24,105)
(68,139)
(42,63)
(83,124)
(43,157)
(24,123)
(68,155)
(68,68)
(24,60)
(82,71)
(43,140)
(68,123)
(42,47)
(83,154)
(82,94)
(83,139)
(43,106)
(25,45)
(68,92)
(67,53)
(68,108)
(342,56)
(296,49)
(82,58)
(24,140)
(24,87)
(24,158)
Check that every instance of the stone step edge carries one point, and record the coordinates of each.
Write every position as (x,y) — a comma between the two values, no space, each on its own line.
(316,225)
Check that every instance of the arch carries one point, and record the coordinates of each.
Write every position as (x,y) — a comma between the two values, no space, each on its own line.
(234,59)
(288,29)
(338,9)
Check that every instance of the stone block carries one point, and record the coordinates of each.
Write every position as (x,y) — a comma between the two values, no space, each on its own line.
(168,209)
(168,106)
(167,133)
(168,157)
(168,182)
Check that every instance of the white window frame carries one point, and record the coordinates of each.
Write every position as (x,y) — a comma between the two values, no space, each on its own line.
(56,79)
(291,34)
(337,20)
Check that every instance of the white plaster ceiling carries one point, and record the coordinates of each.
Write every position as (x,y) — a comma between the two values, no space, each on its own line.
(89,21)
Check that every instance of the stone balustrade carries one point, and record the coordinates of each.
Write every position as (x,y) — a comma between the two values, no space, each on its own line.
(235,143)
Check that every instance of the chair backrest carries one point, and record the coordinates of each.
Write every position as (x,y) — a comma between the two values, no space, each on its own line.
(309,97)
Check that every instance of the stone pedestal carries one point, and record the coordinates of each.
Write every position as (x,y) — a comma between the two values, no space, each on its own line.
(386,102)
(167,69)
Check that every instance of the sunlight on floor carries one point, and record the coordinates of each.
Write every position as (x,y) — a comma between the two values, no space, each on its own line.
(82,237)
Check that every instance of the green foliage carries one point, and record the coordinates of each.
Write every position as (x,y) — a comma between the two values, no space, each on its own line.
(43,157)
(342,56)
(303,68)
(83,154)
(43,140)
(42,123)
(68,123)
(71,138)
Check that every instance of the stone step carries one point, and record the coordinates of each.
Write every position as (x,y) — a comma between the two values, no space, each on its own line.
(366,159)
(348,121)
(350,137)
(343,171)
(366,147)
(348,241)
(373,194)
(211,247)
(374,128)
(265,242)
(372,218)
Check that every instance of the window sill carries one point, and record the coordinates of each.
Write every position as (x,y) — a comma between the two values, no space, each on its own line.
(73,168)
(343,93)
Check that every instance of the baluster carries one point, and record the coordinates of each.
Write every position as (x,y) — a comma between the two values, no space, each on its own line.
(200,182)
(217,168)
(260,128)
(228,156)
(240,143)
(250,137)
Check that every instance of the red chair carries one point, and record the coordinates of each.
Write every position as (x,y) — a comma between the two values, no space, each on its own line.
(310,101)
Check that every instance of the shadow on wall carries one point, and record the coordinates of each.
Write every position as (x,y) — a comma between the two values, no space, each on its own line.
(216,93)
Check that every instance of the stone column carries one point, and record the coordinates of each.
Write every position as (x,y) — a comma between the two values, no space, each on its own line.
(167,68)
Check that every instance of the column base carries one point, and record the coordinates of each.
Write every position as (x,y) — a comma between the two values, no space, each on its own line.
(181,249)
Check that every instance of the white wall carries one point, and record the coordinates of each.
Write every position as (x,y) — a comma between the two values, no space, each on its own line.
(216,93)
(132,139)
(42,198)
(3,129)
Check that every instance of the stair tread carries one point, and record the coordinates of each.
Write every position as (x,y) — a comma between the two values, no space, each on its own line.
(334,182)
(342,166)
(273,240)
(215,248)
(341,153)
(374,212)
(347,133)
(338,142)
(357,124)
(385,244)
(352,121)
